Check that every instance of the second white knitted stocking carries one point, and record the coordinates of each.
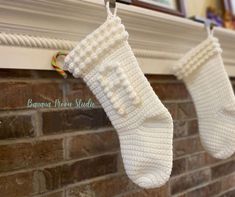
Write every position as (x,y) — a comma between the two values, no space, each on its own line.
(107,64)
(202,70)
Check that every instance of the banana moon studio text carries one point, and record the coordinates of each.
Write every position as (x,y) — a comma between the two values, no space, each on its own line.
(57,103)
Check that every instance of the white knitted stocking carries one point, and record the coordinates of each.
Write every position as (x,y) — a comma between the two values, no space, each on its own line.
(107,64)
(203,72)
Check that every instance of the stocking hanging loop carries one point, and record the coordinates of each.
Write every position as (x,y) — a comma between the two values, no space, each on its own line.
(111,5)
(209,25)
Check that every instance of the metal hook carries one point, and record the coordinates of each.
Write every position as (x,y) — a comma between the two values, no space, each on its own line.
(209,24)
(112,3)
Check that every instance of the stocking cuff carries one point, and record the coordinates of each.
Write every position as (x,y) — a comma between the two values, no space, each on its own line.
(197,57)
(95,46)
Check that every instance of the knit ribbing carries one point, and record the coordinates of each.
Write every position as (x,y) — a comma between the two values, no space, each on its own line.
(143,124)
(212,93)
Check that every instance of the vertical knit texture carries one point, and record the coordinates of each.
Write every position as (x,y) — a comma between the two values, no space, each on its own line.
(212,93)
(143,124)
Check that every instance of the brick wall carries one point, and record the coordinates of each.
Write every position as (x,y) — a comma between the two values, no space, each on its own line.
(69,152)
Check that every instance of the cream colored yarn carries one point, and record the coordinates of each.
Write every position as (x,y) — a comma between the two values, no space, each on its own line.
(107,64)
(203,72)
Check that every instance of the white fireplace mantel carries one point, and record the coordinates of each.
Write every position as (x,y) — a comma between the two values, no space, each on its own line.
(157,39)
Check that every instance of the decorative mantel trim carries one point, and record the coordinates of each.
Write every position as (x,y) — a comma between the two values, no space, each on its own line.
(38,29)
(20,40)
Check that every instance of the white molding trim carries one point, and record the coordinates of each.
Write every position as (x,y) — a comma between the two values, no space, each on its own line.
(158,39)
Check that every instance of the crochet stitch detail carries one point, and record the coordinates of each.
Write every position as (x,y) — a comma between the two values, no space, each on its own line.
(197,57)
(95,45)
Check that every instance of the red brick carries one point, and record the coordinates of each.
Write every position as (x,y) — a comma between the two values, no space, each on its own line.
(228,182)
(186,111)
(59,176)
(120,163)
(193,127)
(73,120)
(13,73)
(16,126)
(206,191)
(182,183)
(187,146)
(233,83)
(158,192)
(17,185)
(179,167)
(223,169)
(172,108)
(200,160)
(29,74)
(230,193)
(110,186)
(54,194)
(170,91)
(163,78)
(77,89)
(183,128)
(92,144)
(182,195)
(15,95)
(180,129)
(25,155)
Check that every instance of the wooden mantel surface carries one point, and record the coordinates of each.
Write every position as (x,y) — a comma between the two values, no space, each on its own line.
(157,39)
